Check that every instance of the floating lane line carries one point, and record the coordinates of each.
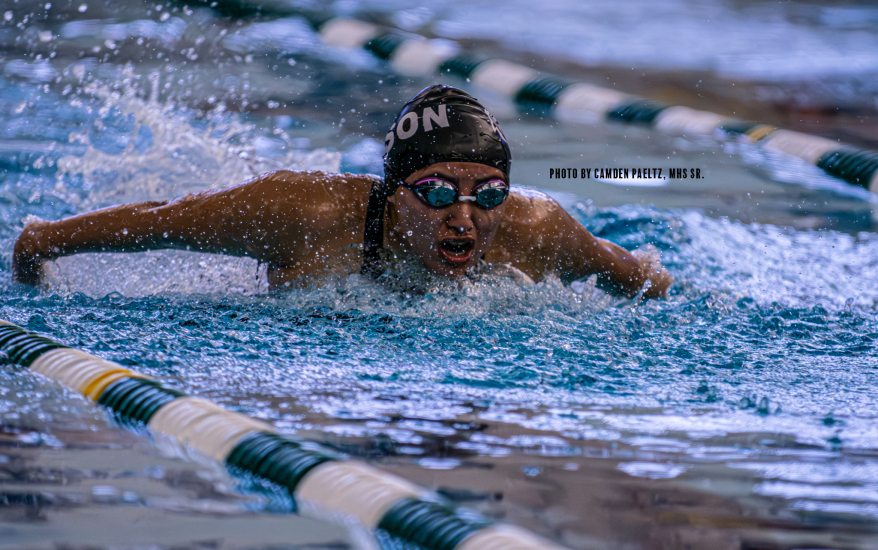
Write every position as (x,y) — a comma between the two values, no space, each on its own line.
(319,479)
(546,95)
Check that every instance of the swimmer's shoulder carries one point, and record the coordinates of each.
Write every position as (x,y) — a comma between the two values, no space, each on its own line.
(528,236)
(312,184)
(305,193)
(328,203)
(528,210)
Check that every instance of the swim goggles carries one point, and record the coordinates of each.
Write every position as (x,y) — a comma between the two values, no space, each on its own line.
(438,192)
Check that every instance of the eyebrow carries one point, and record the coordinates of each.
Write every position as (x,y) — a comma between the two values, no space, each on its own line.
(437,174)
(456,181)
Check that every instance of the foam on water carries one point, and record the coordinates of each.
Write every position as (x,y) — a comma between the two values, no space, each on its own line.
(778,265)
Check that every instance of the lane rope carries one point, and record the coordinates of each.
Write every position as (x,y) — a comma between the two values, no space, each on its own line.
(316,477)
(551,96)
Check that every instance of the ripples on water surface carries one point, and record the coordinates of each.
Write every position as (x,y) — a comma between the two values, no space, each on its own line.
(739,411)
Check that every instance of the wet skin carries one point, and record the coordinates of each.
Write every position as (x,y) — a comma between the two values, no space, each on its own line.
(447,240)
(308,227)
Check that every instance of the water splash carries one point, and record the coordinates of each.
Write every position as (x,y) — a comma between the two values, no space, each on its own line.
(139,149)
(772,264)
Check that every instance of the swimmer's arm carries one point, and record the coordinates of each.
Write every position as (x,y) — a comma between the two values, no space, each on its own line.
(105,229)
(286,219)
(539,237)
(238,220)
(580,254)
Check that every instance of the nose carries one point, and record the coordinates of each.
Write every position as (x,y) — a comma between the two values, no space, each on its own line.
(460,218)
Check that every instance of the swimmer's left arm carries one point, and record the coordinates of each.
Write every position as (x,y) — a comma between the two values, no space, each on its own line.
(581,254)
(539,237)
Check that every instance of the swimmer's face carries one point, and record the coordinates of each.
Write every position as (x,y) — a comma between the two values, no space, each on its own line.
(452,238)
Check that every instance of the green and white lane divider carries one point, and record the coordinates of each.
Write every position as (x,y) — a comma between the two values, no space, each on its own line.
(547,95)
(318,479)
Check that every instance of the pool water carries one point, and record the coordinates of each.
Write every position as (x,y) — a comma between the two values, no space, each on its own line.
(738,413)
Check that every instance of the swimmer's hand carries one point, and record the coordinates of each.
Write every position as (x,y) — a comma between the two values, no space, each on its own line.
(652,270)
(27,256)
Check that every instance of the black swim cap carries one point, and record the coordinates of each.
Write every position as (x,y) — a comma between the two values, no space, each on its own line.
(442,124)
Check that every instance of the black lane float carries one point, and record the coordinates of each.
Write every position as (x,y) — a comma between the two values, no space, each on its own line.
(319,480)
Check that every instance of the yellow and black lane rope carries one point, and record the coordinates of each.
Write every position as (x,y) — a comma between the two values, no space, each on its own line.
(551,96)
(316,477)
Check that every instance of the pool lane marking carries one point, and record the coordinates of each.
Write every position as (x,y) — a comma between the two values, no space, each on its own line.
(502,76)
(681,120)
(348,32)
(355,490)
(546,95)
(205,426)
(320,480)
(809,148)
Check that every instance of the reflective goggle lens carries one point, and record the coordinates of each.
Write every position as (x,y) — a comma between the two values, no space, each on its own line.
(443,195)
(440,193)
(491,194)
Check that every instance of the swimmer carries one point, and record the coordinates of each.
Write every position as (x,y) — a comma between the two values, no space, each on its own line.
(444,202)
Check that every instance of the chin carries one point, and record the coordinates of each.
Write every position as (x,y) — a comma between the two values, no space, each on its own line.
(444,270)
(454,272)
(447,269)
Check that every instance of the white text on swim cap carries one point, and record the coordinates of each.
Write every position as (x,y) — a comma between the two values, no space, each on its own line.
(388,140)
(429,115)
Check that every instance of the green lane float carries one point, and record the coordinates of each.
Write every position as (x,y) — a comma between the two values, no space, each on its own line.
(545,95)
(857,167)
(319,479)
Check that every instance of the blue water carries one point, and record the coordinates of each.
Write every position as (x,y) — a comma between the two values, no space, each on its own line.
(753,382)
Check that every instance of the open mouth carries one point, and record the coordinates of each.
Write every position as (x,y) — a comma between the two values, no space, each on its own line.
(457,251)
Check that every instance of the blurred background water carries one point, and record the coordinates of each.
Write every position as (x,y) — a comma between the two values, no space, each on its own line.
(738,413)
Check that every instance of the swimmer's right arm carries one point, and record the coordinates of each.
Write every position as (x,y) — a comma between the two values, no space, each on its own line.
(254,219)
(116,228)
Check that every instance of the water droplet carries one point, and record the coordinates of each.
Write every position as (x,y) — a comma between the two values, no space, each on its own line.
(82,8)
